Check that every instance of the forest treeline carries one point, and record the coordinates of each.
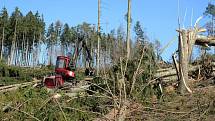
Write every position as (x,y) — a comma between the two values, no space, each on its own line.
(24,37)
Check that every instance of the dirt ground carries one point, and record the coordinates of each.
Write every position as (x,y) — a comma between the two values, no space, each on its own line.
(198,106)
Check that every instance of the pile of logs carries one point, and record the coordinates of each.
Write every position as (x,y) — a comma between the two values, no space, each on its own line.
(168,75)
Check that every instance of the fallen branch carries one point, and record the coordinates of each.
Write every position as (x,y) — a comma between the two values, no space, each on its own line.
(61,109)
(135,73)
(83,111)
(23,112)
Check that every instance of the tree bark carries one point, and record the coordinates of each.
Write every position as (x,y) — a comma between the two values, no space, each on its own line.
(38,49)
(128,29)
(51,54)
(162,73)
(187,38)
(183,62)
(34,52)
(23,50)
(16,54)
(26,53)
(205,41)
(13,45)
(2,43)
(98,37)
(176,65)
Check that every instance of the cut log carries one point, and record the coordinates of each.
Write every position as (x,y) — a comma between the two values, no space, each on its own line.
(204,40)
(172,72)
(17,86)
(169,74)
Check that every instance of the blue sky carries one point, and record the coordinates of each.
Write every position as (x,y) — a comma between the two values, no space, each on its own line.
(158,18)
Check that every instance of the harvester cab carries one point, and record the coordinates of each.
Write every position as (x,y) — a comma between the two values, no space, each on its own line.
(66,66)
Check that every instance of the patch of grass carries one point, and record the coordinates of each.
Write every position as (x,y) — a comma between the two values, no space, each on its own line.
(12,74)
(38,103)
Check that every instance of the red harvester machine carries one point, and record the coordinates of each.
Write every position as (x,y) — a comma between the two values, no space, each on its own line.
(66,66)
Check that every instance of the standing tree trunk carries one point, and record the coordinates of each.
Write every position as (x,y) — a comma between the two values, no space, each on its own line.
(62,47)
(12,50)
(16,54)
(187,39)
(51,54)
(26,53)
(34,59)
(23,62)
(212,25)
(128,29)
(183,61)
(2,43)
(38,49)
(98,37)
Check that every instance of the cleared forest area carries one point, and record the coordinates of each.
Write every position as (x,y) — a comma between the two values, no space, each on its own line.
(115,77)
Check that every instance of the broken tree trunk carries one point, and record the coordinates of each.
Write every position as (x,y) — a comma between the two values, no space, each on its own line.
(168,75)
(205,41)
(183,62)
(172,72)
(187,39)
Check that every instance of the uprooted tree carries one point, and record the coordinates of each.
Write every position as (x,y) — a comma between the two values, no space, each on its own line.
(187,39)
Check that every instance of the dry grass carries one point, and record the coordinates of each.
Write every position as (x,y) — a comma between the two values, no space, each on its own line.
(174,107)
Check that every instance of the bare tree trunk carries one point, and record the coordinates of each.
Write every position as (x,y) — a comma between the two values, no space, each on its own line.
(92,54)
(105,53)
(98,37)
(54,54)
(2,43)
(62,49)
(26,53)
(12,53)
(29,57)
(38,49)
(37,52)
(51,55)
(128,29)
(23,50)
(212,25)
(16,54)
(34,60)
(13,46)
(183,61)
(108,54)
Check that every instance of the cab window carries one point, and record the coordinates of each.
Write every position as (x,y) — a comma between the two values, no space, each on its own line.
(60,63)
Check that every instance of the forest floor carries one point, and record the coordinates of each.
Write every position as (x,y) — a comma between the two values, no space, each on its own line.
(198,106)
(36,103)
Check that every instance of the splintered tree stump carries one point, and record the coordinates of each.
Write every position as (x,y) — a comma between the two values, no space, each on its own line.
(187,39)
(183,61)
